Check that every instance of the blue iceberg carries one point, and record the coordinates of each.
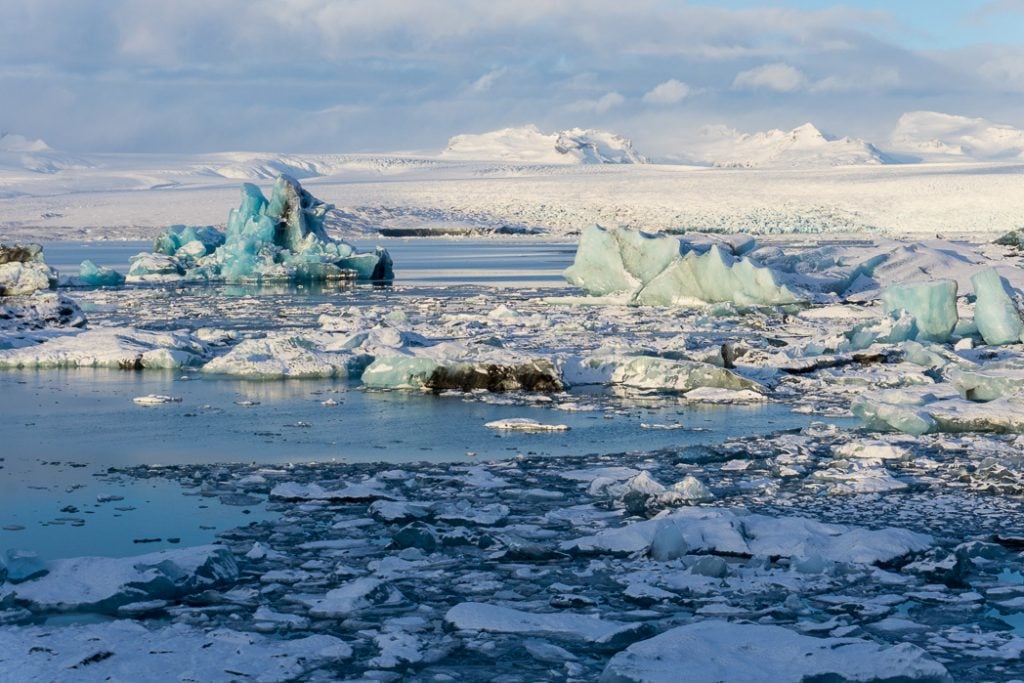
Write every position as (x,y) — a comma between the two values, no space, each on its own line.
(277,240)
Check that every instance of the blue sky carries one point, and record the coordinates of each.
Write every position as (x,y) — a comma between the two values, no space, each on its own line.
(378,75)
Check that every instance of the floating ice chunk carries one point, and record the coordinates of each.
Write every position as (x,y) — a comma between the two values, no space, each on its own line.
(724,531)
(287,355)
(154,268)
(369,490)
(125,348)
(21,565)
(102,584)
(920,412)
(662,374)
(902,412)
(713,651)
(23,270)
(444,367)
(714,277)
(399,372)
(525,424)
(987,385)
(859,478)
(353,597)
(129,651)
(476,616)
(91,275)
(932,305)
(724,396)
(661,270)
(199,240)
(997,312)
(38,311)
(155,400)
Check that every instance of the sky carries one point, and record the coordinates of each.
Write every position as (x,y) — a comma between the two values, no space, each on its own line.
(387,75)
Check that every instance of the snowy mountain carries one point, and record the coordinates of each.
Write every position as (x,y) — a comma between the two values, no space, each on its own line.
(20,153)
(804,146)
(10,142)
(935,136)
(528,144)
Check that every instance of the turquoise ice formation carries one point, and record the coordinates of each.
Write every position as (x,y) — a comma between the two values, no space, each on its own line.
(91,275)
(931,304)
(995,313)
(661,270)
(280,239)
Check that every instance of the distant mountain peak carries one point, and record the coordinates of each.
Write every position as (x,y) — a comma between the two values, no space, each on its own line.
(528,144)
(934,135)
(12,142)
(804,146)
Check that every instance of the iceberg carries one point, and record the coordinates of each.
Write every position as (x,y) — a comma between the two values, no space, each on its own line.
(931,304)
(660,270)
(23,270)
(91,275)
(996,313)
(664,270)
(195,241)
(280,239)
(154,268)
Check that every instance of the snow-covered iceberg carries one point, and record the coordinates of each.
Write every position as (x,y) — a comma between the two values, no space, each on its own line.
(661,270)
(23,270)
(280,239)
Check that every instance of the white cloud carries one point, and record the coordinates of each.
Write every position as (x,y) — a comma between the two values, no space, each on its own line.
(669,92)
(600,105)
(484,83)
(882,78)
(779,77)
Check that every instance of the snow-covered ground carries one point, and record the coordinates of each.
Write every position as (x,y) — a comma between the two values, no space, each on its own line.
(801,183)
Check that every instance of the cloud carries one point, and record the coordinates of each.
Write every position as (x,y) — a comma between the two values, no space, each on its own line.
(600,105)
(484,83)
(778,77)
(669,92)
(316,75)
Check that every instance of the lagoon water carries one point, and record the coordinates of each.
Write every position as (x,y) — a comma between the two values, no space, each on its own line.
(62,429)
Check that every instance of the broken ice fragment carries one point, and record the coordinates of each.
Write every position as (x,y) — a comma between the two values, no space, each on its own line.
(713,651)
(996,313)
(932,305)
